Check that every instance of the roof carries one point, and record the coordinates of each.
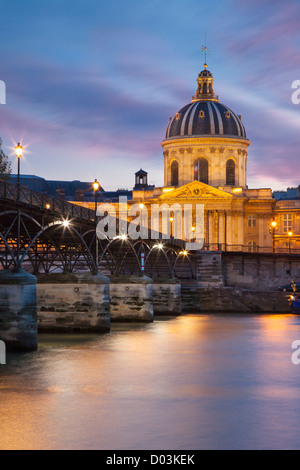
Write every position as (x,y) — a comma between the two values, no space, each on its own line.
(205,118)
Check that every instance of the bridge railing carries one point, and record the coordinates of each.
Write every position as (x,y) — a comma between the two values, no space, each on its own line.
(9,191)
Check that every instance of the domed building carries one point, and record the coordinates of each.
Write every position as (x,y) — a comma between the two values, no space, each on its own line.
(206,141)
(205,163)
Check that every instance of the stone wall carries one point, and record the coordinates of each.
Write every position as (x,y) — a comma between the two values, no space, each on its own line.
(73,303)
(131,298)
(167,296)
(236,282)
(260,271)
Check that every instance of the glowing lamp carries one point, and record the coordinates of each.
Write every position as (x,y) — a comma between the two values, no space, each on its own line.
(19,150)
(96,185)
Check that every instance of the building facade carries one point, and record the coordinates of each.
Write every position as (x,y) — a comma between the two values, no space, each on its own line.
(205,162)
(205,152)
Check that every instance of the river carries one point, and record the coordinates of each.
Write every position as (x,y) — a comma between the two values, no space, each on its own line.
(188,382)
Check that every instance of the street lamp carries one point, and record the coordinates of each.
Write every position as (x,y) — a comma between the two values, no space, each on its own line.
(193,230)
(19,153)
(171,220)
(290,234)
(96,186)
(273,228)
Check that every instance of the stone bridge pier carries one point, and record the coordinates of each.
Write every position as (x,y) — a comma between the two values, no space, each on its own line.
(140,298)
(73,303)
(18,311)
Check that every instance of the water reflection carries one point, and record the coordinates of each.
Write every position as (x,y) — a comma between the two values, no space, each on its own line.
(191,382)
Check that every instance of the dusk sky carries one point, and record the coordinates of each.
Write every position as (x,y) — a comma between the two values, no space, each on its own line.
(91,84)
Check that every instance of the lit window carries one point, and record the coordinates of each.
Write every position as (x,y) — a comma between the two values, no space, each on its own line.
(252,221)
(230,172)
(287,223)
(201,170)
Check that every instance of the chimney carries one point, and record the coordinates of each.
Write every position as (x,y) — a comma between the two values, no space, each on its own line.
(80,195)
(61,194)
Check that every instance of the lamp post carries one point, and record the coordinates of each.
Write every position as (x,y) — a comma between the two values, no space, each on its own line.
(96,186)
(171,220)
(19,153)
(273,228)
(290,234)
(193,230)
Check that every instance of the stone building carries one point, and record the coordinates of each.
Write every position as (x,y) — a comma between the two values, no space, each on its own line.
(205,162)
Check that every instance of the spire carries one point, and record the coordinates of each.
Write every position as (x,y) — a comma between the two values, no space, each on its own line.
(204,51)
(205,91)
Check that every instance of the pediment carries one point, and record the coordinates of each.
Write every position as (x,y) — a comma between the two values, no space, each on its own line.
(196,190)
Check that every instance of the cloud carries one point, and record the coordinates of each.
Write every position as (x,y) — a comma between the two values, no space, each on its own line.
(92,84)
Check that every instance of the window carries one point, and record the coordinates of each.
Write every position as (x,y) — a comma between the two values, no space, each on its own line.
(252,246)
(252,221)
(201,170)
(174,173)
(230,172)
(287,222)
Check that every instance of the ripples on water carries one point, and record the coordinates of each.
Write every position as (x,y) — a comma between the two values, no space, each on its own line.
(191,382)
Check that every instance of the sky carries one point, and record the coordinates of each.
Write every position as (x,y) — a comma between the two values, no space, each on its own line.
(91,84)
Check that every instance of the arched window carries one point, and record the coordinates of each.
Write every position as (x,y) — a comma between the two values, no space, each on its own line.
(201,170)
(230,172)
(174,173)
(252,221)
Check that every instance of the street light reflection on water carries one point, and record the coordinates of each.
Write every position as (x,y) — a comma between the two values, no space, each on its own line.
(190,382)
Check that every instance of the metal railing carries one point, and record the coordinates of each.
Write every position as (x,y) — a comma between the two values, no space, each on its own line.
(250,249)
(44,202)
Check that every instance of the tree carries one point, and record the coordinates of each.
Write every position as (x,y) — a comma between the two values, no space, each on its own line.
(5,163)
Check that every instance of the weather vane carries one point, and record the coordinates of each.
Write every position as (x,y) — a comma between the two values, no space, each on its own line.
(204,49)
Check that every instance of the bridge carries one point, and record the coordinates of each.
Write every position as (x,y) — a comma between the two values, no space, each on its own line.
(43,234)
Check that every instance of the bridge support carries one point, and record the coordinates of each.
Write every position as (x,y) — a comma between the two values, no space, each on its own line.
(167,296)
(18,313)
(131,298)
(71,303)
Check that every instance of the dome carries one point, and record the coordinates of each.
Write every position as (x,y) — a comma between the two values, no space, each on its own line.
(205,118)
(205,115)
